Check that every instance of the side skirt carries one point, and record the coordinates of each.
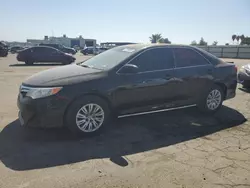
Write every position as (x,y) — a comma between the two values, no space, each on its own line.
(156,111)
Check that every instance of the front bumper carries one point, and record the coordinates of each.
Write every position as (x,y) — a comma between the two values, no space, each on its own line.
(44,112)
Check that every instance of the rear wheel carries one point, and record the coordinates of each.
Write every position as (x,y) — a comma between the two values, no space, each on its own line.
(212,101)
(88,116)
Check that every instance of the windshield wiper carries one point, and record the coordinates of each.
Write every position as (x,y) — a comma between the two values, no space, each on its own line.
(86,66)
(91,67)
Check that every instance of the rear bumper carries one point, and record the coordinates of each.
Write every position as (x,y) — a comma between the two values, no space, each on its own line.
(46,112)
(231,89)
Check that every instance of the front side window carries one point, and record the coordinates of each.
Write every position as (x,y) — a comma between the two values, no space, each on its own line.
(154,59)
(187,57)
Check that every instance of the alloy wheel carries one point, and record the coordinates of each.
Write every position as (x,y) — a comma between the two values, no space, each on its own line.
(214,99)
(90,117)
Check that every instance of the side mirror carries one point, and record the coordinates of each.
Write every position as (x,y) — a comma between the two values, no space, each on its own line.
(129,69)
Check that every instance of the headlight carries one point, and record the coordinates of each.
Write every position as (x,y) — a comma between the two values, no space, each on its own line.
(36,93)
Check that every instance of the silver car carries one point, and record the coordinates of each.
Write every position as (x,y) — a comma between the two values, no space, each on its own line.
(244,76)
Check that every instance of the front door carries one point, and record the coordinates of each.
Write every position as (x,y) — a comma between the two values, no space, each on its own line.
(152,85)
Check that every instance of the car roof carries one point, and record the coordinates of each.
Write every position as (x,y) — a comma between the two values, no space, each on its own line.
(44,47)
(143,46)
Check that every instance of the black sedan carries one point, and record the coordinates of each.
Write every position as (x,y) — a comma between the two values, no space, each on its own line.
(88,50)
(44,54)
(125,81)
(244,76)
(16,49)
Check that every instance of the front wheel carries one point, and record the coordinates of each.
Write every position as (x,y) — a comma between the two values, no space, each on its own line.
(88,115)
(212,101)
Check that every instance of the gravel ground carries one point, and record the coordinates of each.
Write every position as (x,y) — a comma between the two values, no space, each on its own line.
(172,149)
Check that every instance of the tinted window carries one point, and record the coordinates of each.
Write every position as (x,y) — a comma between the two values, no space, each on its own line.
(186,57)
(154,59)
(43,50)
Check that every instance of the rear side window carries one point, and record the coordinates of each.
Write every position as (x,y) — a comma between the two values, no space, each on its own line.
(186,58)
(43,50)
(154,59)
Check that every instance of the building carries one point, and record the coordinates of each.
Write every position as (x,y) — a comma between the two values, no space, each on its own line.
(64,40)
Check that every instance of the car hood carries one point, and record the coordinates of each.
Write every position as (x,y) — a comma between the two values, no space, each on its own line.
(65,75)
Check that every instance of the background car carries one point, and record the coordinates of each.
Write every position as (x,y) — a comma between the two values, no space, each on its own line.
(44,54)
(126,81)
(3,49)
(244,76)
(100,50)
(61,48)
(16,49)
(88,50)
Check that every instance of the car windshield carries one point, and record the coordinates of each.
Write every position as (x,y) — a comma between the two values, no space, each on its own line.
(109,58)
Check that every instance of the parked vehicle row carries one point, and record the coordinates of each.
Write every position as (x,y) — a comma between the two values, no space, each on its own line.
(16,49)
(44,54)
(93,50)
(3,49)
(125,81)
(244,76)
(61,48)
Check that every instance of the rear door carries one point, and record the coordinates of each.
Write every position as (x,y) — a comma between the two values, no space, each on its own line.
(194,74)
(38,54)
(154,82)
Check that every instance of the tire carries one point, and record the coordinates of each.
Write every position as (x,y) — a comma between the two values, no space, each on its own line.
(29,62)
(216,96)
(77,112)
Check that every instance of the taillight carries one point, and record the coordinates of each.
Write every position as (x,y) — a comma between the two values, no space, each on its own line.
(236,68)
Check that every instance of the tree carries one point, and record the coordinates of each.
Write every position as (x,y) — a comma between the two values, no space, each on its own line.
(227,44)
(193,43)
(238,38)
(234,37)
(164,40)
(242,38)
(215,43)
(202,42)
(155,38)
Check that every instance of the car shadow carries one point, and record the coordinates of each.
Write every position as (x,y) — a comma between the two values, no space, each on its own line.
(27,149)
(247,90)
(35,64)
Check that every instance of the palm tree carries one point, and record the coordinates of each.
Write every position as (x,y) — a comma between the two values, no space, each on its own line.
(155,38)
(242,37)
(234,37)
(238,38)
(215,43)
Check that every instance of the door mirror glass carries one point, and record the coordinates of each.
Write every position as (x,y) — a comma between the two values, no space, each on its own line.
(129,69)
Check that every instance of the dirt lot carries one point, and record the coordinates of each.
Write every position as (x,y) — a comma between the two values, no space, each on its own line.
(173,149)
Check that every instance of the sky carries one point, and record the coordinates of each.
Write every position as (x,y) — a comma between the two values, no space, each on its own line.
(181,21)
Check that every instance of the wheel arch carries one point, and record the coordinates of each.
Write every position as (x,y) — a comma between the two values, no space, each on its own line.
(223,86)
(104,98)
